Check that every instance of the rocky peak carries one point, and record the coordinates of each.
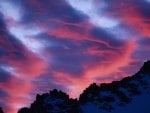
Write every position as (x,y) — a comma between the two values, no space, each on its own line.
(145,68)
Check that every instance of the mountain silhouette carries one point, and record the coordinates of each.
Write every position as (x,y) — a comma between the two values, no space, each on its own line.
(1,111)
(53,102)
(129,95)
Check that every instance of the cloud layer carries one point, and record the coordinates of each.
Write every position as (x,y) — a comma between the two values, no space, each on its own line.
(68,44)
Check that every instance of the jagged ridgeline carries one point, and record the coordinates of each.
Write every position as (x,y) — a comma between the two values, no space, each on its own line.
(53,102)
(129,95)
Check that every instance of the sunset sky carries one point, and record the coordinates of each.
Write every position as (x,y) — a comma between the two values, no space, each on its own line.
(68,44)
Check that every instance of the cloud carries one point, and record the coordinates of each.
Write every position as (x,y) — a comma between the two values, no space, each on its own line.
(4,75)
(26,35)
(9,10)
(96,17)
(8,69)
(148,0)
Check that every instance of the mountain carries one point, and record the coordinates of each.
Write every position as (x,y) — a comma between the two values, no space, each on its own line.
(129,95)
(53,102)
(1,111)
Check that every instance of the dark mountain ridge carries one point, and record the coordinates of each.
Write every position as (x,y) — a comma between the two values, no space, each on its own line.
(1,111)
(103,98)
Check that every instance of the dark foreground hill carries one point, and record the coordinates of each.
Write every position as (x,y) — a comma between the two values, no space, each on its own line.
(130,95)
(1,111)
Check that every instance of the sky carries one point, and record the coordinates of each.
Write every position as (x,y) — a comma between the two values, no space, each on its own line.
(67,45)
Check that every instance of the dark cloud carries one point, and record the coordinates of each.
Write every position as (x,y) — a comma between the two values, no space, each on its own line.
(3,94)
(9,46)
(4,76)
(2,24)
(71,58)
(144,42)
(143,7)
(45,80)
(46,10)
(107,37)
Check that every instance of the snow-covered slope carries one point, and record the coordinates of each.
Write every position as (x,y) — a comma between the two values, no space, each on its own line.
(129,95)
(53,102)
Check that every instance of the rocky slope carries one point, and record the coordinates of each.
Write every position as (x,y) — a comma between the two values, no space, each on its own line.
(130,95)
(53,102)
